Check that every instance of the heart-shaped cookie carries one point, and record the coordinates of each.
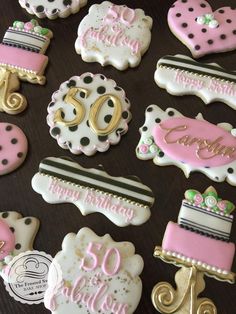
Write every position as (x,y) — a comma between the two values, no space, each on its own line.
(199,28)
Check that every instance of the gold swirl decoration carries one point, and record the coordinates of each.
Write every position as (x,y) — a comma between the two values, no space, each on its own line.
(165,297)
(206,307)
(15,103)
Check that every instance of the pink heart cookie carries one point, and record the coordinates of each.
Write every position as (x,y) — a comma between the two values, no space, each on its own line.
(13,147)
(7,240)
(203,31)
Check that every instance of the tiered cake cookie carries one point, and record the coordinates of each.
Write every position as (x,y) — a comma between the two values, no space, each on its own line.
(21,57)
(204,225)
(23,48)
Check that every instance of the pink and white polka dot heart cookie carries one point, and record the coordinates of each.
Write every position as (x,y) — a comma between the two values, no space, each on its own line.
(201,29)
(13,147)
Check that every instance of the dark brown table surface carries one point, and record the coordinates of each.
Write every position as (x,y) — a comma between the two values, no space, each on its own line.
(168,183)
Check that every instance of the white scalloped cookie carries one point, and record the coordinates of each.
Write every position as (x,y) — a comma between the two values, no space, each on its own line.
(169,138)
(99,276)
(52,8)
(88,114)
(114,34)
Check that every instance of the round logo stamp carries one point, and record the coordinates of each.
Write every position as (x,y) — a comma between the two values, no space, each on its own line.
(26,276)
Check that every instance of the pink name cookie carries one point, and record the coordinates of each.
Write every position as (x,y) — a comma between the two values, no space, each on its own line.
(99,275)
(169,138)
(201,29)
(13,147)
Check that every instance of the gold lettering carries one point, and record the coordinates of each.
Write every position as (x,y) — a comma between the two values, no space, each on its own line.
(215,147)
(2,243)
(96,107)
(79,108)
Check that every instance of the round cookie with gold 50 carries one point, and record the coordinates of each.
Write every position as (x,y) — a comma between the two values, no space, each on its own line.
(88,114)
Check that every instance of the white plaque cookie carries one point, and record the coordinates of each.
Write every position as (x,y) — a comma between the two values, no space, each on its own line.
(123,200)
(88,114)
(52,8)
(99,275)
(169,138)
(114,34)
(181,75)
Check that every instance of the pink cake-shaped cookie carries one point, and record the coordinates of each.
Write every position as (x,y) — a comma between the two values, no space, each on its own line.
(22,50)
(202,233)
(201,29)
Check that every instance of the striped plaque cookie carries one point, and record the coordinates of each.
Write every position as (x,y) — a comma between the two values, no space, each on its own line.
(181,75)
(123,200)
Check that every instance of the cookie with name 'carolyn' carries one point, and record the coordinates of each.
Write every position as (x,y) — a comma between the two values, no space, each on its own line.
(99,275)
(17,235)
(114,34)
(181,75)
(123,200)
(88,114)
(169,138)
(52,8)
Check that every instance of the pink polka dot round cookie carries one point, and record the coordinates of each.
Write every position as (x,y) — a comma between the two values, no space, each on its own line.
(201,29)
(13,147)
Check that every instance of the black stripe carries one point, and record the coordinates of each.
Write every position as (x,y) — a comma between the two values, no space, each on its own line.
(21,43)
(203,65)
(202,210)
(200,225)
(204,230)
(42,39)
(80,182)
(96,177)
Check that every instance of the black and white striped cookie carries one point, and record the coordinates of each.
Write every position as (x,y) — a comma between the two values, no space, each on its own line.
(123,200)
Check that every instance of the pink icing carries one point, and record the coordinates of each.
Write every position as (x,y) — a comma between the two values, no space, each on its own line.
(24,59)
(114,36)
(121,13)
(201,248)
(13,147)
(201,39)
(93,255)
(7,240)
(100,300)
(196,142)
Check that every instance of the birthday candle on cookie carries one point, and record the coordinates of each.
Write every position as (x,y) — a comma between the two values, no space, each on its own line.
(123,200)
(203,31)
(181,75)
(17,235)
(99,275)
(21,58)
(114,34)
(169,138)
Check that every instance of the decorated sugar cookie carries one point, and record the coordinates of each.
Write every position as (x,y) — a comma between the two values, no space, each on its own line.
(181,75)
(88,114)
(199,245)
(169,138)
(201,29)
(16,235)
(21,58)
(114,34)
(99,275)
(123,200)
(52,8)
(13,147)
